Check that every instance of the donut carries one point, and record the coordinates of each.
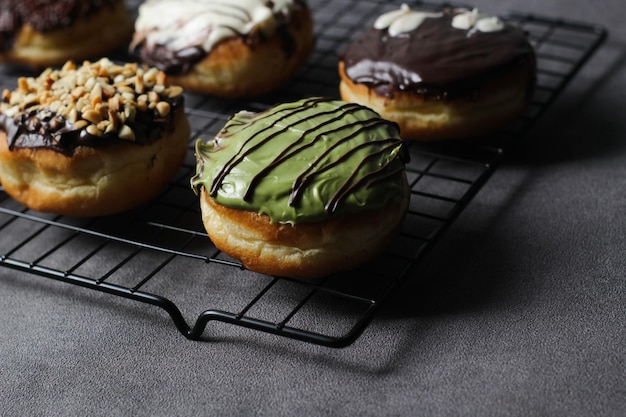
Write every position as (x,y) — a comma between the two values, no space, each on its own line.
(226,48)
(304,189)
(452,74)
(91,140)
(42,33)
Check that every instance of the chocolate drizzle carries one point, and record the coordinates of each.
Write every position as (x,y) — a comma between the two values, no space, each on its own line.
(292,151)
(367,180)
(435,60)
(308,175)
(239,156)
(287,121)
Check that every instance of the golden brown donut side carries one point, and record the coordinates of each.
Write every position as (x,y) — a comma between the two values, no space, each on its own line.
(304,250)
(93,181)
(87,37)
(235,69)
(500,101)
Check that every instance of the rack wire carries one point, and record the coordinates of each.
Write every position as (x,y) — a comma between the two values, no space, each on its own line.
(160,255)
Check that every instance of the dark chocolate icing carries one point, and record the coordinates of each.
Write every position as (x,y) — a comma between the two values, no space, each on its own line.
(42,15)
(435,60)
(41,128)
(172,62)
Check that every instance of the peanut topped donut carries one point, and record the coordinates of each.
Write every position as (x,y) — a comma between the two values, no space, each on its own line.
(229,48)
(449,74)
(303,189)
(44,33)
(91,140)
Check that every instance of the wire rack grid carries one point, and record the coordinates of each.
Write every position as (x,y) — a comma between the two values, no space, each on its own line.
(160,255)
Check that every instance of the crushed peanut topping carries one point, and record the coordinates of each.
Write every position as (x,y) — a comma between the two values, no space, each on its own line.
(97,101)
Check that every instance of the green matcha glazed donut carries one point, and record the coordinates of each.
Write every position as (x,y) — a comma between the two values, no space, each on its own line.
(303,189)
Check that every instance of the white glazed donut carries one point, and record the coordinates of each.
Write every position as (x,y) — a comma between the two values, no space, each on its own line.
(231,48)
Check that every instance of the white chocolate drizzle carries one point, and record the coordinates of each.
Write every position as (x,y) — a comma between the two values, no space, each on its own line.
(405,20)
(182,24)
(402,21)
(473,20)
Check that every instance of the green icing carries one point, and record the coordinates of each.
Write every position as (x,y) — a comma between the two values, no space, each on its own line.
(302,161)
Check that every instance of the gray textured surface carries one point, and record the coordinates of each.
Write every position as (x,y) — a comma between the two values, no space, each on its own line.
(519,310)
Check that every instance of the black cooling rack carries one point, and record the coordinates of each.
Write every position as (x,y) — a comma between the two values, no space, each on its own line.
(160,255)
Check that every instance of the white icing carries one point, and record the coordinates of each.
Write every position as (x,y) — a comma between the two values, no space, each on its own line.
(465,20)
(182,24)
(405,20)
(472,20)
(385,20)
(489,24)
(402,21)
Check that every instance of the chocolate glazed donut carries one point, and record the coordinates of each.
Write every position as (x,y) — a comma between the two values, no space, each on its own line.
(455,73)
